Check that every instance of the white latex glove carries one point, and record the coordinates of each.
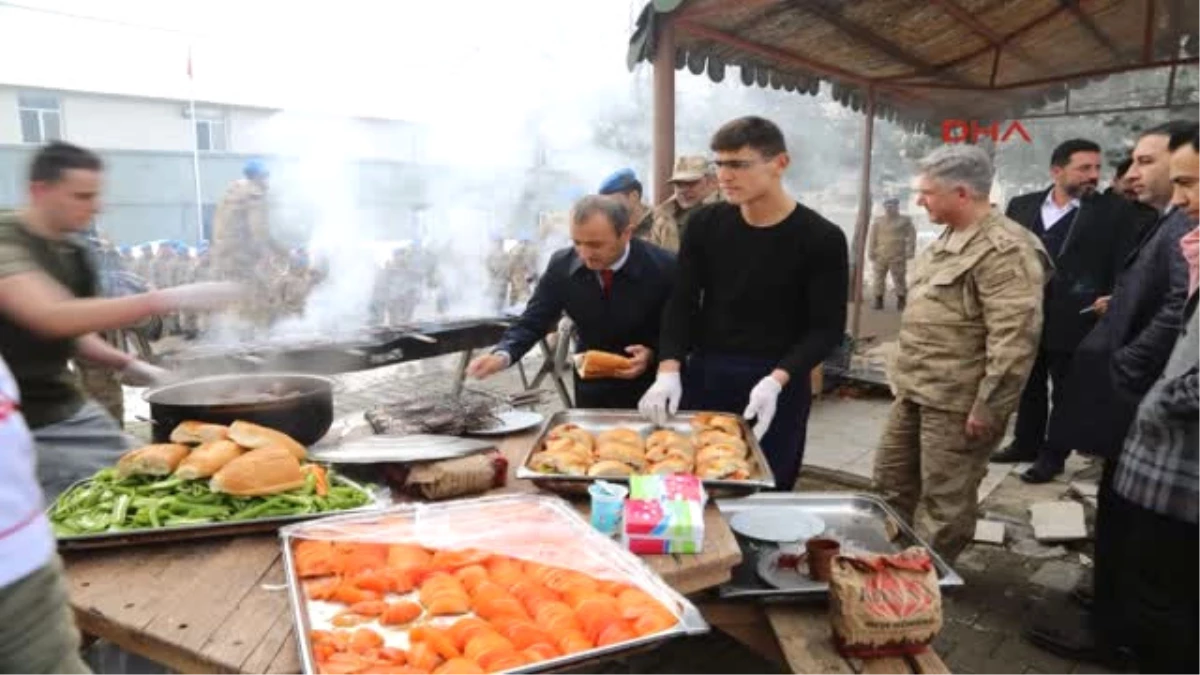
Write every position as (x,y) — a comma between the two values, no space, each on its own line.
(138,373)
(199,297)
(661,400)
(763,397)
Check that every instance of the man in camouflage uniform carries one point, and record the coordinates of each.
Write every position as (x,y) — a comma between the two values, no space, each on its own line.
(198,270)
(967,343)
(167,271)
(243,249)
(892,243)
(522,270)
(294,287)
(499,268)
(101,383)
(695,185)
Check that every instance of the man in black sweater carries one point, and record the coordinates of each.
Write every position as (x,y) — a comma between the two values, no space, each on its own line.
(613,287)
(1087,237)
(760,300)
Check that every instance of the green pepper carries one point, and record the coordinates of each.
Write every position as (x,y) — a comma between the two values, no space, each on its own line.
(120,509)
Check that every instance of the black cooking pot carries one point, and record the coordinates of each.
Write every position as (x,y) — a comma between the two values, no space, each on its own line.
(300,406)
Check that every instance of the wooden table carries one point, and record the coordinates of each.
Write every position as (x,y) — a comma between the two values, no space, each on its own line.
(220,605)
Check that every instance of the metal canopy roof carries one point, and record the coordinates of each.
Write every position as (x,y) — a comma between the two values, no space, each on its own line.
(924,60)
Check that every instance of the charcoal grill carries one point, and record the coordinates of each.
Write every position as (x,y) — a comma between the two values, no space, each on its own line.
(363,349)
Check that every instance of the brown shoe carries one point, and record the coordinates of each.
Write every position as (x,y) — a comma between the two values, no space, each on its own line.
(878,304)
(900,302)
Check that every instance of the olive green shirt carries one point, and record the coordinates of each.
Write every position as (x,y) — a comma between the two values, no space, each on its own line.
(49,391)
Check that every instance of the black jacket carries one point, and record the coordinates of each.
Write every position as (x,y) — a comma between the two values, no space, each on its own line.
(1100,236)
(1124,354)
(631,317)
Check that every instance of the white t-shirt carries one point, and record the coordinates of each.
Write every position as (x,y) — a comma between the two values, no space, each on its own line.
(26,540)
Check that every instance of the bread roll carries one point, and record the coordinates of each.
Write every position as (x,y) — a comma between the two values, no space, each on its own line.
(571,431)
(263,471)
(207,459)
(727,423)
(151,460)
(558,462)
(610,468)
(621,452)
(570,446)
(596,364)
(730,468)
(711,452)
(677,447)
(626,436)
(713,437)
(252,436)
(672,465)
(192,432)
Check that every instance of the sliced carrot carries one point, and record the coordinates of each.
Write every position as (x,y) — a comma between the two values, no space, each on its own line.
(542,651)
(453,560)
(653,622)
(499,660)
(483,643)
(322,589)
(350,595)
(524,633)
(400,613)
(471,575)
(616,632)
(393,655)
(492,608)
(317,470)
(464,629)
(449,604)
(423,657)
(437,638)
(407,557)
(348,619)
(314,558)
(369,607)
(364,639)
(459,666)
(572,642)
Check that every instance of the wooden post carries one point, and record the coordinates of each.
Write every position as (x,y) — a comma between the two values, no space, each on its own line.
(664,110)
(864,213)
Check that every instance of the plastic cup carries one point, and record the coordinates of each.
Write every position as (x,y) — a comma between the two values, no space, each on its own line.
(608,506)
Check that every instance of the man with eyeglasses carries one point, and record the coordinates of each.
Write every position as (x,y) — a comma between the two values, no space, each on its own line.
(759,301)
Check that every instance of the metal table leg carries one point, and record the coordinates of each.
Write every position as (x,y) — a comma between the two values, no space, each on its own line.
(460,378)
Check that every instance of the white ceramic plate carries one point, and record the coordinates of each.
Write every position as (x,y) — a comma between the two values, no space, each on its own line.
(781,525)
(784,578)
(511,422)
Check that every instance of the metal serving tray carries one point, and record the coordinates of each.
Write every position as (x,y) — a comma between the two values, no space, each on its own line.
(484,524)
(378,499)
(595,421)
(859,521)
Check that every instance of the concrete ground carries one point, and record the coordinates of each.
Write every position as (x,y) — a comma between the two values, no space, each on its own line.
(983,619)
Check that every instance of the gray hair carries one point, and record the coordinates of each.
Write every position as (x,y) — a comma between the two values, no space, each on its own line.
(613,209)
(963,164)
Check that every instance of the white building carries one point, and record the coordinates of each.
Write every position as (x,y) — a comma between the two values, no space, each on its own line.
(33,116)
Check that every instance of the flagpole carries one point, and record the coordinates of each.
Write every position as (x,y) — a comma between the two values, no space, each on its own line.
(195,150)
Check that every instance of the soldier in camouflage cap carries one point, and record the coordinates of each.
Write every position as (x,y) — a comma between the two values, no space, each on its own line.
(968,339)
(892,244)
(695,185)
(243,249)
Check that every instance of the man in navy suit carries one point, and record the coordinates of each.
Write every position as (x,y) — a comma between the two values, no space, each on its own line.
(1087,235)
(613,287)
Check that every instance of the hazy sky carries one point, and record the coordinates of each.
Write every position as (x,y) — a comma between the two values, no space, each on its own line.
(411,59)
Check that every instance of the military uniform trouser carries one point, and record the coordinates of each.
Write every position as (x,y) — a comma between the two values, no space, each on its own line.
(103,385)
(929,472)
(77,447)
(38,633)
(899,271)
